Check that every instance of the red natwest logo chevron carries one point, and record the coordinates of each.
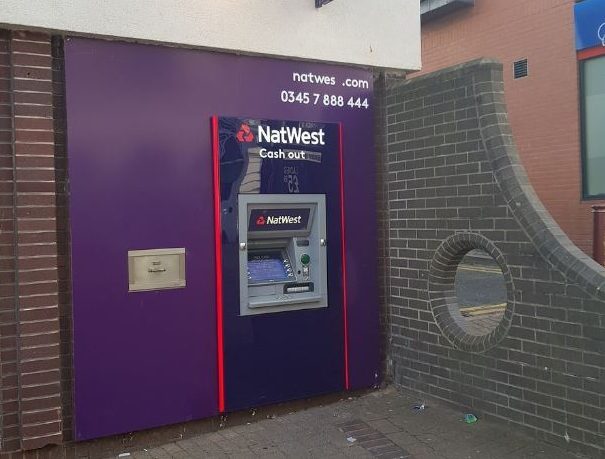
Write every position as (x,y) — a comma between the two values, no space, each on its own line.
(245,134)
(260,220)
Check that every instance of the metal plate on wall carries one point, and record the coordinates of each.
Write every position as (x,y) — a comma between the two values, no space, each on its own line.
(156,269)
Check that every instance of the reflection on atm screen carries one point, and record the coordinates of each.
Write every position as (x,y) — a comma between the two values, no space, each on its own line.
(269,266)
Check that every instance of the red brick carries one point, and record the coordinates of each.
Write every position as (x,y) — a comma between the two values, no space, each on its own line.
(40,98)
(31,47)
(8,277)
(37,263)
(8,328)
(8,354)
(36,212)
(6,162)
(41,316)
(11,444)
(40,365)
(5,72)
(35,417)
(36,251)
(38,301)
(37,224)
(6,150)
(33,85)
(34,123)
(40,390)
(35,187)
(38,275)
(43,377)
(34,149)
(10,419)
(544,107)
(35,161)
(42,352)
(41,403)
(6,175)
(6,123)
(40,442)
(36,238)
(6,136)
(6,290)
(6,225)
(33,60)
(32,175)
(6,200)
(40,327)
(9,368)
(42,111)
(4,85)
(34,73)
(39,288)
(6,187)
(19,35)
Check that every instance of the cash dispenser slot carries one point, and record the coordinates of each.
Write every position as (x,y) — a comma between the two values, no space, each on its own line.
(282,253)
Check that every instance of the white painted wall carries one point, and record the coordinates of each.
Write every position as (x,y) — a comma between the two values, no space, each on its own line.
(380,33)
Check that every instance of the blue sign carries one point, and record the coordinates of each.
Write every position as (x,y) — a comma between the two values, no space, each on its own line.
(590,24)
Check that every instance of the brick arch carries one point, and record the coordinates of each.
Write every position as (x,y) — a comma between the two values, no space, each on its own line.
(546,235)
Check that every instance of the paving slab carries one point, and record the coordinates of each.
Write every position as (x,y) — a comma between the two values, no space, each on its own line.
(379,424)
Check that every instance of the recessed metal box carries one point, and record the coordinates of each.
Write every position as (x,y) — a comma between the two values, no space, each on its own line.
(156,269)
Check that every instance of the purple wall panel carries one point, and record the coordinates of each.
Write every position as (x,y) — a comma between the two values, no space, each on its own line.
(140,177)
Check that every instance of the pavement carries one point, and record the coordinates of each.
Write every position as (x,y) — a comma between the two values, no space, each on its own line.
(381,423)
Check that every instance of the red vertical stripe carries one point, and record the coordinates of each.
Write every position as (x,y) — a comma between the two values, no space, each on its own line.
(344,257)
(218,257)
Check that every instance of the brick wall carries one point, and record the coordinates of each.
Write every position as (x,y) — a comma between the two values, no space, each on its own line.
(63,239)
(8,329)
(30,355)
(544,107)
(455,182)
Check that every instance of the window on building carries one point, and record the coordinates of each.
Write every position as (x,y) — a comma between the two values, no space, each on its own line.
(593,131)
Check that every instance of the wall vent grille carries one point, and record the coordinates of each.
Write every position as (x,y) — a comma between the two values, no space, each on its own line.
(520,69)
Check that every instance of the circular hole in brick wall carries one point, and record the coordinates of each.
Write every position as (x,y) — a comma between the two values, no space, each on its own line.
(480,294)
(471,292)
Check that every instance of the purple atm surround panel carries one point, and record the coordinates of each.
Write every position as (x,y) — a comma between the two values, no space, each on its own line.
(286,355)
(139,146)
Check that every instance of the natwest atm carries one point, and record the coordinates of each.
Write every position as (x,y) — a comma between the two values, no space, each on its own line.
(280,241)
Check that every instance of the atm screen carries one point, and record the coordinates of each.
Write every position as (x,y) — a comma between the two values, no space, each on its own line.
(268,267)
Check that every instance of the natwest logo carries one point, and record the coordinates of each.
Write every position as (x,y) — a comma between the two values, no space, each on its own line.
(278,219)
(244,134)
(283,220)
(291,135)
